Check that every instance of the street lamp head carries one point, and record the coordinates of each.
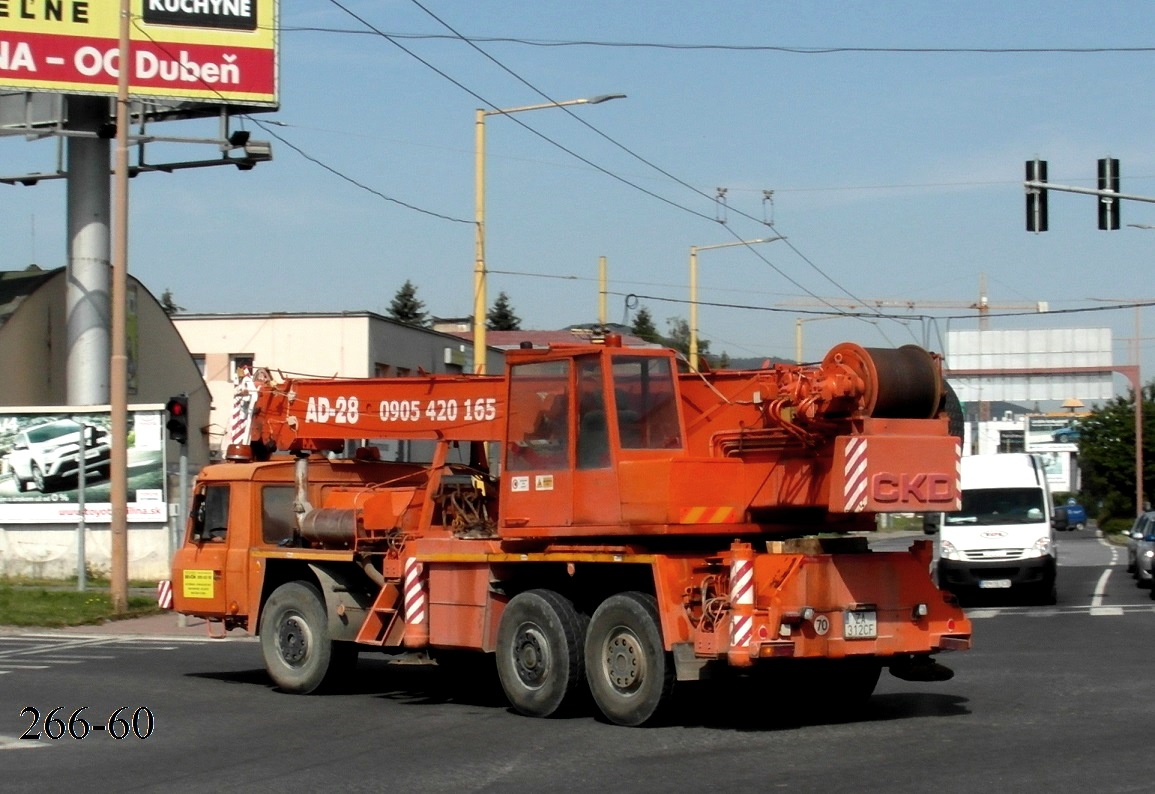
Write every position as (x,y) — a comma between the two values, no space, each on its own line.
(600,98)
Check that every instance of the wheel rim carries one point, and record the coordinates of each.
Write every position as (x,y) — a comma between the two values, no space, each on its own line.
(38,477)
(531,656)
(293,640)
(624,661)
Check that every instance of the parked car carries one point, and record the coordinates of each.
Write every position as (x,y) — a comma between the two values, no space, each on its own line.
(1066,435)
(1142,527)
(1076,515)
(44,456)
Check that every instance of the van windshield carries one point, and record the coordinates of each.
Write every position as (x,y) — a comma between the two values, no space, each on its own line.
(1000,506)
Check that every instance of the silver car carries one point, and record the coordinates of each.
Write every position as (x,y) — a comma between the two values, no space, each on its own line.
(1145,550)
(1134,535)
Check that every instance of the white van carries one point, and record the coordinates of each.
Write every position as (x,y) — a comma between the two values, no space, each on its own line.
(1004,535)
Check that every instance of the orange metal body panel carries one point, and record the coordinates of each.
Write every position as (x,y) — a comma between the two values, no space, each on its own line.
(299,413)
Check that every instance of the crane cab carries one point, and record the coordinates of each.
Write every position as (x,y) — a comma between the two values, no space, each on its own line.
(590,431)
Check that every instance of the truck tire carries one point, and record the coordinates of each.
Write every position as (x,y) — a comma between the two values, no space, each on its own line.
(539,652)
(295,639)
(630,674)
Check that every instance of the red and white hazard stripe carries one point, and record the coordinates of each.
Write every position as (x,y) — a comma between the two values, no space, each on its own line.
(241,421)
(164,594)
(741,595)
(854,476)
(414,592)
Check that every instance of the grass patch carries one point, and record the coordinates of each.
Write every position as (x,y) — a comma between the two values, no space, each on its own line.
(53,608)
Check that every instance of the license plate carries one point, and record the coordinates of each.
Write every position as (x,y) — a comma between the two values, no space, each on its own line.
(995,584)
(860,624)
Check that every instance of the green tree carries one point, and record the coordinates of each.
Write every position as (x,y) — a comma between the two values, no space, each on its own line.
(643,326)
(1107,454)
(501,316)
(168,303)
(406,308)
(678,337)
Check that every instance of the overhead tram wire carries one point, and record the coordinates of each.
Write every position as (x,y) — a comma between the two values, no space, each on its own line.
(733,47)
(515,119)
(267,129)
(656,167)
(620,146)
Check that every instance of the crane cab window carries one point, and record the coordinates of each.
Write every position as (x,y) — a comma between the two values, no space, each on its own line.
(211,514)
(647,411)
(539,433)
(593,441)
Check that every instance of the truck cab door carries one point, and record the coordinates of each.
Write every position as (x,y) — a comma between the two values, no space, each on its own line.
(537,478)
(213,562)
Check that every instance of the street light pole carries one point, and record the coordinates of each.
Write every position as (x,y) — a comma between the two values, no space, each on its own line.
(694,249)
(479,270)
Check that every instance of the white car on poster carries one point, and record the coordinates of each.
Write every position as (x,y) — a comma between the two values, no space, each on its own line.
(45,456)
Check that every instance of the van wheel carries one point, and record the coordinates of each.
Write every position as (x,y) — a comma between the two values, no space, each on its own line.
(295,640)
(1048,594)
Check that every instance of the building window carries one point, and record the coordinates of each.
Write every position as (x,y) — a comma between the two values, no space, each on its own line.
(237,362)
(199,361)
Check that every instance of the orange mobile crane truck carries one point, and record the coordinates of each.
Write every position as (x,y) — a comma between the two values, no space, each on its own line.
(645,526)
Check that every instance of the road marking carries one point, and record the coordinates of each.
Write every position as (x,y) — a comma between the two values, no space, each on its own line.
(1100,589)
(18,744)
(1034,612)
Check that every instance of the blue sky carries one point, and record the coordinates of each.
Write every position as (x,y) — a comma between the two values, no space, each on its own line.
(895,175)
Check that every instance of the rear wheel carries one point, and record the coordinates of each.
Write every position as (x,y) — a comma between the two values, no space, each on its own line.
(629,672)
(539,652)
(298,652)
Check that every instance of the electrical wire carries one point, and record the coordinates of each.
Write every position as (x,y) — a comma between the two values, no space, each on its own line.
(555,143)
(316,161)
(791,50)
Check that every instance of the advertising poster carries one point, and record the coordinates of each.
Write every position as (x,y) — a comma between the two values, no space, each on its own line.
(1052,433)
(40,460)
(223,51)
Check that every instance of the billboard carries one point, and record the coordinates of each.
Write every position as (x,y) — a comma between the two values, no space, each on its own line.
(1037,364)
(215,51)
(40,459)
(1052,433)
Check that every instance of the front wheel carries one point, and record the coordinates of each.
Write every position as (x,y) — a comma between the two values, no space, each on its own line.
(295,639)
(41,482)
(630,674)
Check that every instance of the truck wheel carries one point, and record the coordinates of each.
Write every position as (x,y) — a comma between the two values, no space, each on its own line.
(630,674)
(539,652)
(295,638)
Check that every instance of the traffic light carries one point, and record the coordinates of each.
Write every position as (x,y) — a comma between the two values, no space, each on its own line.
(1108,205)
(1036,197)
(177,424)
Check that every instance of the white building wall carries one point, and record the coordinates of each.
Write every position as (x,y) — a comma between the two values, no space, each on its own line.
(50,552)
(346,344)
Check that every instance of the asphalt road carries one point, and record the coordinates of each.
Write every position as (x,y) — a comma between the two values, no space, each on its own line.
(1050,699)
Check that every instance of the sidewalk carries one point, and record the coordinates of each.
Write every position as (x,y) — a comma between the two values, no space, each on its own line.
(167,624)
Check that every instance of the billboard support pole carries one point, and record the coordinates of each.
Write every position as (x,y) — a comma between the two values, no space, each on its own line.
(81,527)
(118,393)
